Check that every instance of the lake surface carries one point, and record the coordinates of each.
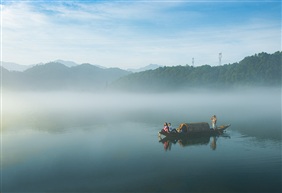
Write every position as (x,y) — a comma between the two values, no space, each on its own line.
(67,142)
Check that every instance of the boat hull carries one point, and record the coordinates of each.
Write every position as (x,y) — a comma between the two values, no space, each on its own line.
(217,131)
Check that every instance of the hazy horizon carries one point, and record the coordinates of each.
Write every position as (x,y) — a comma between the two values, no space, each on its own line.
(70,109)
(69,63)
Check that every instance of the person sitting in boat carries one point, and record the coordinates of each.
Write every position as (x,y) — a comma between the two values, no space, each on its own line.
(171,129)
(166,129)
(214,120)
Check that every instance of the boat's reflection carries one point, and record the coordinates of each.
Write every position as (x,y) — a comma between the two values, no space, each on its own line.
(192,141)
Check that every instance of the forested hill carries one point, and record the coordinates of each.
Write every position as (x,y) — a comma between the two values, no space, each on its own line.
(57,76)
(258,70)
(261,69)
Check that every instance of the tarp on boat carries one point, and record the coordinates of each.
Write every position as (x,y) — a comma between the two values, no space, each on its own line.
(193,127)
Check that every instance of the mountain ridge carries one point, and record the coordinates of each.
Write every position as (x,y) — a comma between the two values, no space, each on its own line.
(11,66)
(261,69)
(148,67)
(54,76)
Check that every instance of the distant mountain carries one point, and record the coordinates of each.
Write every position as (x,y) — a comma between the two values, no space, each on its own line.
(66,63)
(148,67)
(15,67)
(57,76)
(261,69)
(258,70)
(71,64)
(102,67)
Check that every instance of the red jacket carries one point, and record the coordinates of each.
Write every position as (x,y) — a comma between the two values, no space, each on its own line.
(166,129)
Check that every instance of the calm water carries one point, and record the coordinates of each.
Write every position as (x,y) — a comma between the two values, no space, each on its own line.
(62,142)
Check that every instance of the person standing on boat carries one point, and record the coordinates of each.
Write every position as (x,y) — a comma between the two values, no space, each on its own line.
(214,120)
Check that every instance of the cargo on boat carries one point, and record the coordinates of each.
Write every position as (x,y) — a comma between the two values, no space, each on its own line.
(187,129)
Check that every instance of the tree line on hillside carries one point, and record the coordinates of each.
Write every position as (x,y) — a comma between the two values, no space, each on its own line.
(258,70)
(261,69)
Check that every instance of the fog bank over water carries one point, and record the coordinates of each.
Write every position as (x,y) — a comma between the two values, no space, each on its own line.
(73,142)
(256,112)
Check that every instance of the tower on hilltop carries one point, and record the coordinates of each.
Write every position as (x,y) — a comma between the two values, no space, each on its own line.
(219,58)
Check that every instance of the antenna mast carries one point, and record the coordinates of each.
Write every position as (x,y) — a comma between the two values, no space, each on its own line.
(219,58)
(192,61)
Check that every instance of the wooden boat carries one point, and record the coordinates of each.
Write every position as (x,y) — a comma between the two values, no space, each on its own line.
(188,129)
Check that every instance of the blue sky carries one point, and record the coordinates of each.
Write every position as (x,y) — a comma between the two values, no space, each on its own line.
(132,34)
